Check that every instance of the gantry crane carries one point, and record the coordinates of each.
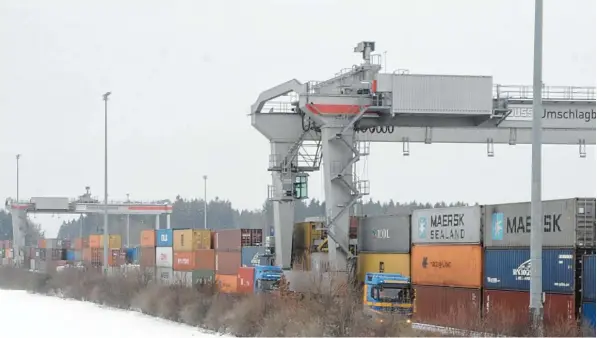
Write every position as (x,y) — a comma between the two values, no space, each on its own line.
(334,121)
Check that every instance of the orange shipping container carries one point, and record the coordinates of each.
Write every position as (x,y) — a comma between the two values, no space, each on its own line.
(41,243)
(447,265)
(194,260)
(95,241)
(148,238)
(246,279)
(226,283)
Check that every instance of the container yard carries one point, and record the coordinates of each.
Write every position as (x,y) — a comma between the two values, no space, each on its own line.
(464,265)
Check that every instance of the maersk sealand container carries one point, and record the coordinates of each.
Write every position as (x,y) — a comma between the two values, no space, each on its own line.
(588,278)
(510,269)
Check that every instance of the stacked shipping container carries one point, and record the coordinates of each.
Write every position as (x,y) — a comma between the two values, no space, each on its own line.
(233,249)
(147,252)
(568,231)
(588,289)
(194,259)
(94,254)
(384,245)
(446,262)
(164,256)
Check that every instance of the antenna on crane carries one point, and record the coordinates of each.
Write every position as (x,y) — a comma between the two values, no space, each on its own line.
(365,47)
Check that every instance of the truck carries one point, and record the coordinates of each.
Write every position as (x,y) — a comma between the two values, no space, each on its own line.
(387,292)
(259,278)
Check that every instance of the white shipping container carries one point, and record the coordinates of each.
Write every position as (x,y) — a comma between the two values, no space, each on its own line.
(163,257)
(50,203)
(447,225)
(440,94)
(164,275)
(183,278)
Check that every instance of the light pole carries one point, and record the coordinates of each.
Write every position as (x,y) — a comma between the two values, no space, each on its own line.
(536,299)
(106,233)
(205,201)
(18,157)
(128,225)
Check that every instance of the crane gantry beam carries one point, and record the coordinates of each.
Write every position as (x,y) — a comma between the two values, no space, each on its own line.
(338,118)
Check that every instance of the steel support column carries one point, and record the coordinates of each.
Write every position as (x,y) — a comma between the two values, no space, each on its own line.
(19,229)
(340,191)
(283,210)
(157,222)
(168,226)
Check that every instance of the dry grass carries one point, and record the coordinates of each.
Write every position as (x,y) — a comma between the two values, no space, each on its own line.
(335,312)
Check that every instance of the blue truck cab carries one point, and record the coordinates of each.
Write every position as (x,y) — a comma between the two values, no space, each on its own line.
(267,278)
(388,292)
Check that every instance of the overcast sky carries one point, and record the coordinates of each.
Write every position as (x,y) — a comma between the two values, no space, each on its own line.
(183,75)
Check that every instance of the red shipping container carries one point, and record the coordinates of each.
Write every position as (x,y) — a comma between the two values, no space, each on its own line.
(510,309)
(234,239)
(78,244)
(203,259)
(246,280)
(228,262)
(447,306)
(147,257)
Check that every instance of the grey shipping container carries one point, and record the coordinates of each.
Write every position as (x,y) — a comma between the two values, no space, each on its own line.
(439,94)
(384,234)
(566,223)
(447,225)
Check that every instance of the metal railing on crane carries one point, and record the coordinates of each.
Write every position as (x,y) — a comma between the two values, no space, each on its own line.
(523,92)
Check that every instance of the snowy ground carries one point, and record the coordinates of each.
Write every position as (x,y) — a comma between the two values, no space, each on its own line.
(28,315)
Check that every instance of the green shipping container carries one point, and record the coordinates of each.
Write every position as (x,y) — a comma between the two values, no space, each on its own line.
(203,276)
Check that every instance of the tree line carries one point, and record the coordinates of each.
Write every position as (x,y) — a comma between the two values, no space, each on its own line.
(188,213)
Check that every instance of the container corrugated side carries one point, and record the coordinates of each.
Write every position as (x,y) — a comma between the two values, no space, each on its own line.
(510,269)
(163,257)
(510,310)
(246,280)
(446,225)
(380,262)
(442,94)
(458,265)
(184,278)
(227,262)
(228,239)
(164,275)
(588,313)
(251,255)
(389,234)
(147,238)
(163,238)
(203,277)
(227,283)
(447,306)
(588,278)
(567,223)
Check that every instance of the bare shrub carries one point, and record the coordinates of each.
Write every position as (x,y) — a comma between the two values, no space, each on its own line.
(330,308)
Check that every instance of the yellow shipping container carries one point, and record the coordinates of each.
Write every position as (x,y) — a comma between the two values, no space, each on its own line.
(191,240)
(114,241)
(387,263)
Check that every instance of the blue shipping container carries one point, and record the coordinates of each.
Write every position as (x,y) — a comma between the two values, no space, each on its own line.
(510,269)
(588,278)
(588,313)
(250,255)
(132,255)
(163,237)
(70,255)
